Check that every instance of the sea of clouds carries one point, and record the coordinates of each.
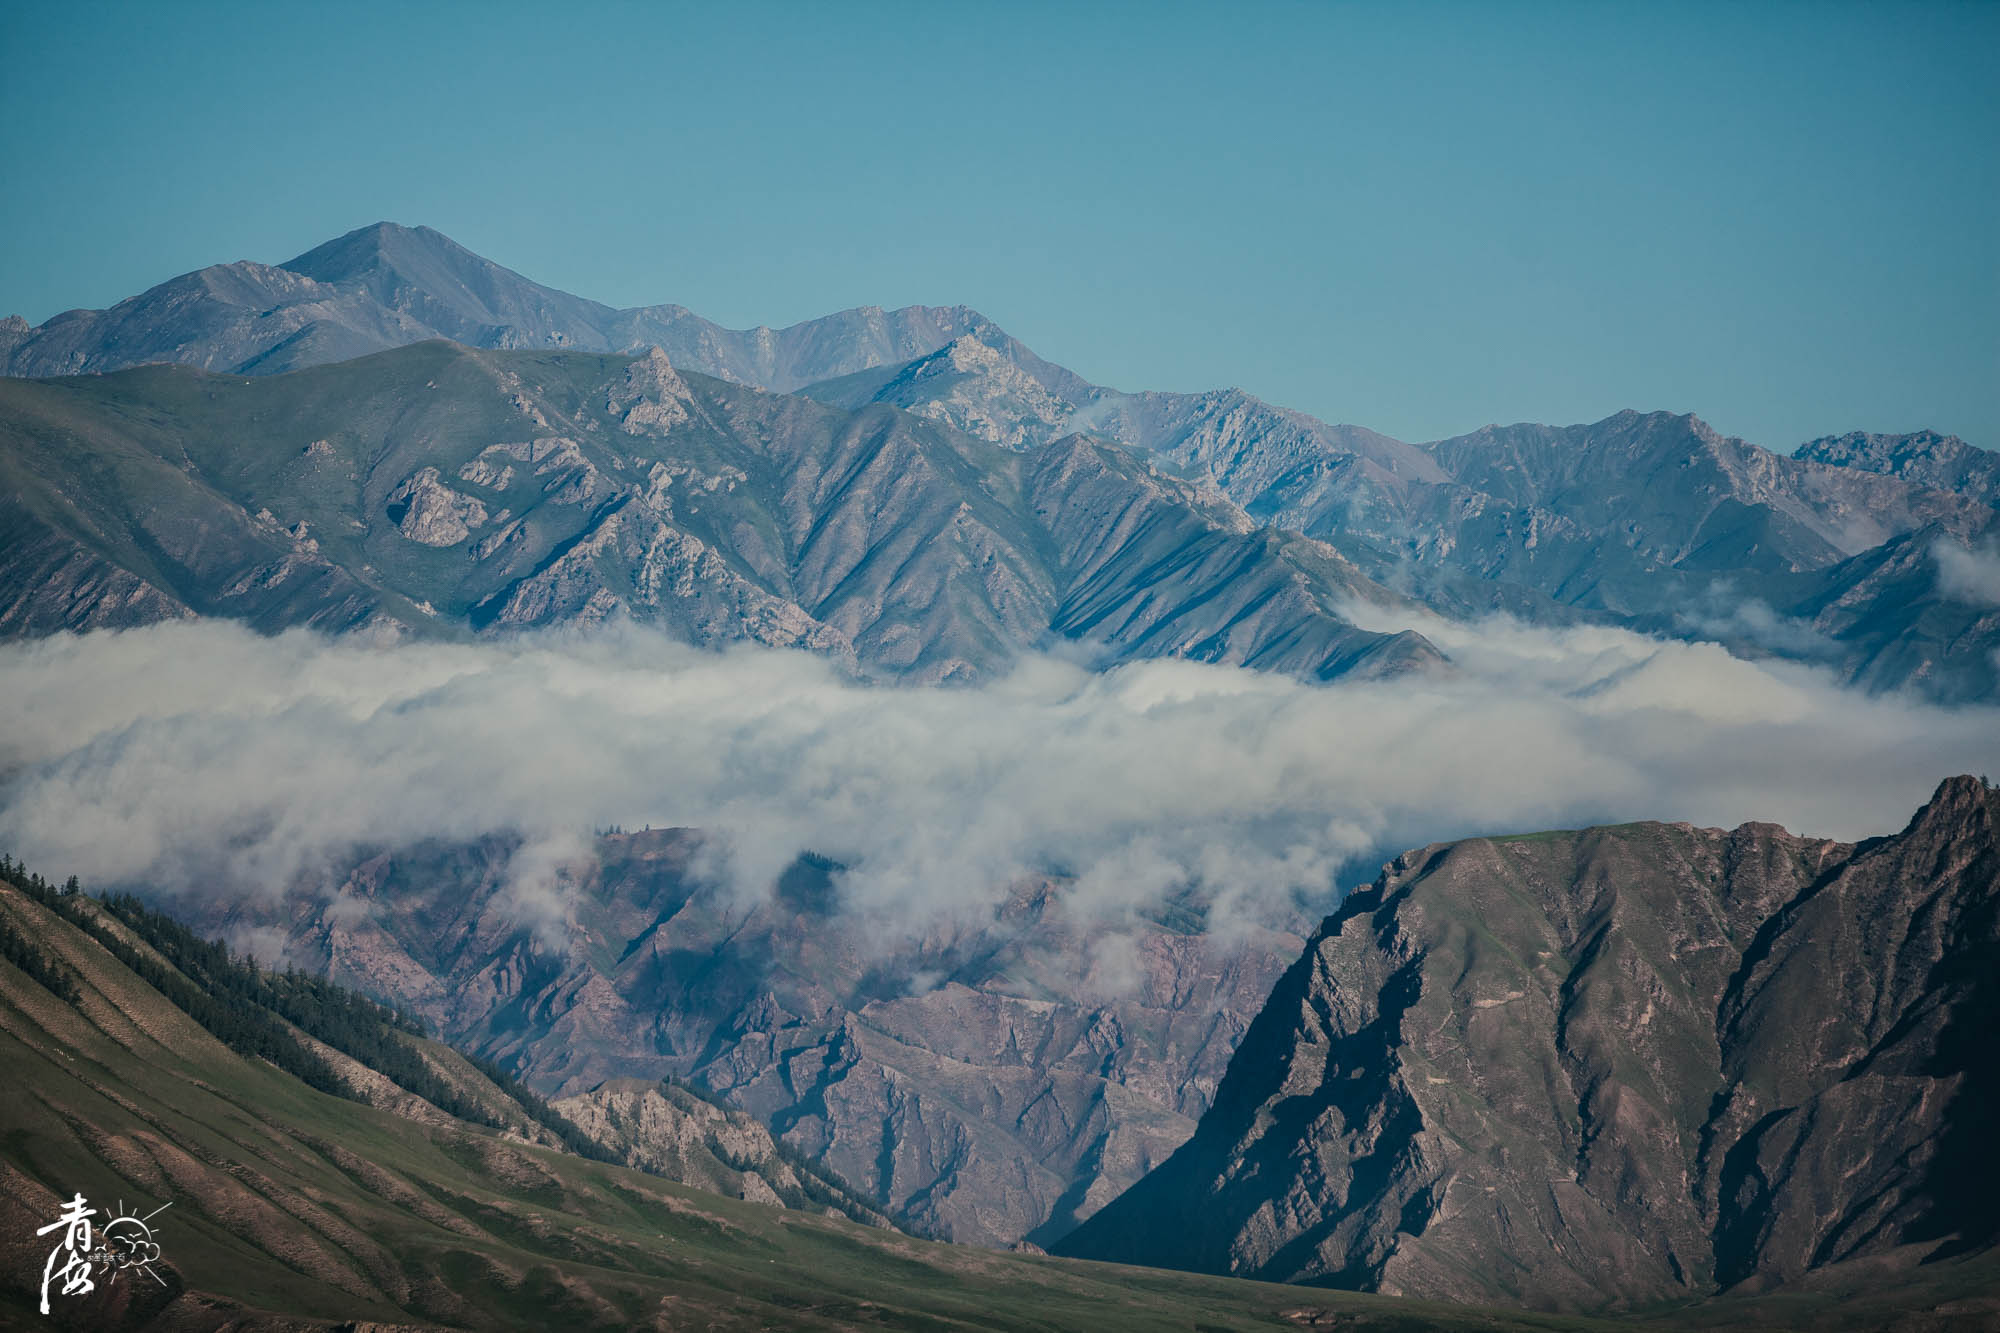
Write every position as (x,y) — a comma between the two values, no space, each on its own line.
(203,758)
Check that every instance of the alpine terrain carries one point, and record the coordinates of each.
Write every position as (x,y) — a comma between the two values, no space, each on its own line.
(1848,555)
(1614,1067)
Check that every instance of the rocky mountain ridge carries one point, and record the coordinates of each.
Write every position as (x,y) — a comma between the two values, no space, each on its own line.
(1651,521)
(435,489)
(1925,457)
(384,286)
(1615,1066)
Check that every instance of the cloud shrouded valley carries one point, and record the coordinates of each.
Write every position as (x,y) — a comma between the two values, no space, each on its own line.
(199,757)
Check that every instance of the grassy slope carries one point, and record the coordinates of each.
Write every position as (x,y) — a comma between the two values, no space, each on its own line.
(288,1200)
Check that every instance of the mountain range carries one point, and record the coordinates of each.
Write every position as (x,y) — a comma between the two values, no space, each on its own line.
(1852,555)
(438,489)
(387,286)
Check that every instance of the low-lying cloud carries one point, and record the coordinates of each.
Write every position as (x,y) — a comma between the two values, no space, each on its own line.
(1966,576)
(202,757)
(1724,614)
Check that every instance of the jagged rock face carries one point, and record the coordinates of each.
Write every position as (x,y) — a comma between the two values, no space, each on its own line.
(1610,1067)
(653,399)
(1943,462)
(667,1130)
(978,389)
(425,510)
(434,489)
(991,1080)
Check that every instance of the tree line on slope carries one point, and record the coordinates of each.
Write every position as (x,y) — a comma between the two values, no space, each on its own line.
(252,1010)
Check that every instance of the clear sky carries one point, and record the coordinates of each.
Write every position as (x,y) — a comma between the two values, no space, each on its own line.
(1422,218)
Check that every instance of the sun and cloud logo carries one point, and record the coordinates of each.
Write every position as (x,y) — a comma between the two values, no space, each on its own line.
(87,1253)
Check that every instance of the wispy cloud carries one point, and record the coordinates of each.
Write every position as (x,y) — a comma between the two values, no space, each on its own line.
(1724,614)
(1967,576)
(203,758)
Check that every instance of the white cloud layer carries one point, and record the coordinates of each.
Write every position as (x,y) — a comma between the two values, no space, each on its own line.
(202,757)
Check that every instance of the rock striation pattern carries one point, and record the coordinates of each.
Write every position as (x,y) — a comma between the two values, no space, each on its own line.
(1611,1067)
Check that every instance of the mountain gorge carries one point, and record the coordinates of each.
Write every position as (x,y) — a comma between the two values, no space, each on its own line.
(1611,1067)
(992,1079)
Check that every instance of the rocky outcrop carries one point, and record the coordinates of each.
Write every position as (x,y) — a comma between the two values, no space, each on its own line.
(975,388)
(1925,457)
(425,510)
(661,1127)
(1610,1067)
(653,398)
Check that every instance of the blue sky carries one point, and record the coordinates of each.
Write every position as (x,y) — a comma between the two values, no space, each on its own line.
(1418,217)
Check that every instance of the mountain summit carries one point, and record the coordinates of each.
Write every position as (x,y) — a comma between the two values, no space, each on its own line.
(385,285)
(429,277)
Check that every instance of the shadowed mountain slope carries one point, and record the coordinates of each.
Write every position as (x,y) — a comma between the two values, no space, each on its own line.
(1612,1067)
(292,1209)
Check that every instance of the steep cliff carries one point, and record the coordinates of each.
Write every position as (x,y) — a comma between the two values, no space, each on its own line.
(1614,1066)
